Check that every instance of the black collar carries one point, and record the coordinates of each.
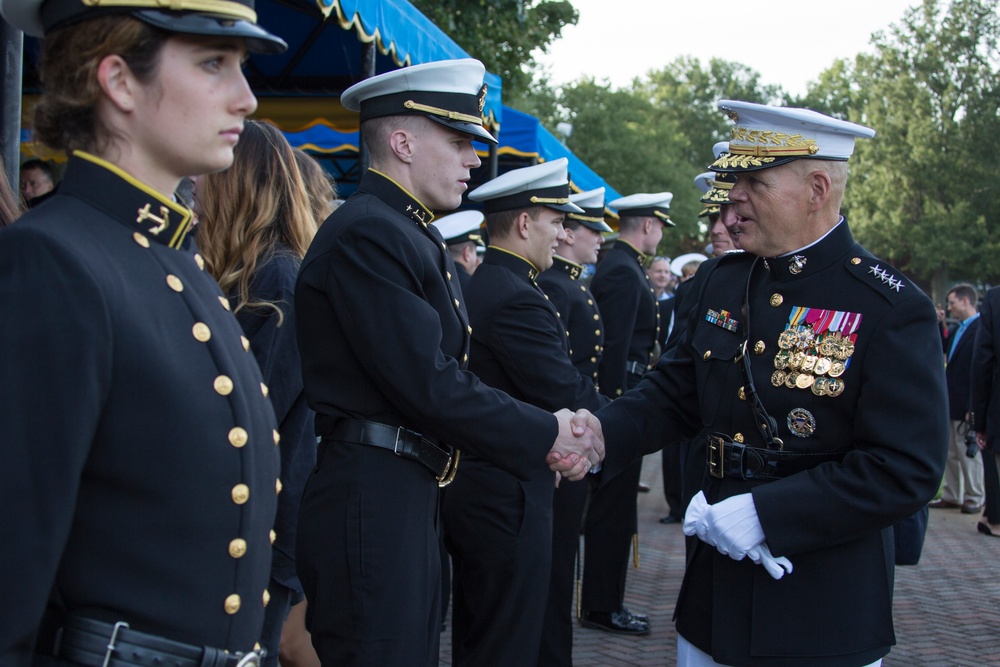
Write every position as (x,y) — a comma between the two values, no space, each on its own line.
(395,195)
(631,250)
(516,264)
(126,199)
(563,265)
(814,258)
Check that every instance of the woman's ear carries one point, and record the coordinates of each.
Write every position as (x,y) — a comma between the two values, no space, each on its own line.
(116,80)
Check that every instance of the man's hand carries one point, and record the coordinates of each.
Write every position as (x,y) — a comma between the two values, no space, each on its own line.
(578,448)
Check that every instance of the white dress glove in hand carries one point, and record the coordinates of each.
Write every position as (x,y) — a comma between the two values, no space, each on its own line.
(776,567)
(731,526)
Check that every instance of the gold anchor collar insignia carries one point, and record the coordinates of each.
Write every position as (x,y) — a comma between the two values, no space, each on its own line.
(133,202)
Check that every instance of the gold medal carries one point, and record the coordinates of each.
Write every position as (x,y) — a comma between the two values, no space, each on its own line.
(837,369)
(828,347)
(822,366)
(781,359)
(778,378)
(809,363)
(819,386)
(804,380)
(795,363)
(790,380)
(835,387)
(846,349)
(787,339)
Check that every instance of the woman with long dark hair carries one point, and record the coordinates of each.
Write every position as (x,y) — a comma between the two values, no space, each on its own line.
(255,226)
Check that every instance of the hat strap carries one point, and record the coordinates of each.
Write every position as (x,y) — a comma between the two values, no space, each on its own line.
(450,115)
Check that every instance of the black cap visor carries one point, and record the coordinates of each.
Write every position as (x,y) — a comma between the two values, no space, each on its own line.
(257,39)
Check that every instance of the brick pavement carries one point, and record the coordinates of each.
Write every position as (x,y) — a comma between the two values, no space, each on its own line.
(947,608)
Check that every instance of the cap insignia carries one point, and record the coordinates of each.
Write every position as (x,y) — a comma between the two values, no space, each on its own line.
(482,98)
(763,143)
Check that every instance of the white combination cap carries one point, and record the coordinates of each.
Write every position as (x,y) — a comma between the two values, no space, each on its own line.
(545,184)
(449,92)
(592,203)
(656,205)
(766,136)
(460,227)
(678,262)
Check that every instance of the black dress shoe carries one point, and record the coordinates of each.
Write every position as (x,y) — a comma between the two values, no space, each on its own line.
(670,518)
(619,622)
(639,617)
(643,487)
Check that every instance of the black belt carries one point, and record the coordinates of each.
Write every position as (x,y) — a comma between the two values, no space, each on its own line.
(733,459)
(636,368)
(401,441)
(91,643)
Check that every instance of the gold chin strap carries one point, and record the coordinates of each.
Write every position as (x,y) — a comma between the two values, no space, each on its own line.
(450,115)
(549,200)
(226,8)
(585,218)
(448,476)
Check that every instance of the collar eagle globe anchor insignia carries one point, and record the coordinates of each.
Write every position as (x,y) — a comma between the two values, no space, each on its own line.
(801,422)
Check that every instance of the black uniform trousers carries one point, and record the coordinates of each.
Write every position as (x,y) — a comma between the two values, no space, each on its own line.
(374,544)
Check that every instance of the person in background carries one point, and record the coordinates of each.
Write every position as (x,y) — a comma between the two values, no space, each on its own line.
(138,449)
(963,474)
(986,407)
(625,296)
(573,301)
(498,527)
(37,180)
(320,186)
(256,225)
(462,234)
(662,279)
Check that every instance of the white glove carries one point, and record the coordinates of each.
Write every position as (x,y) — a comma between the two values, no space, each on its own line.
(731,526)
(776,567)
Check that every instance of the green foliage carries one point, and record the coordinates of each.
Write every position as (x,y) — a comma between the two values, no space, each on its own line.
(923,193)
(502,33)
(654,135)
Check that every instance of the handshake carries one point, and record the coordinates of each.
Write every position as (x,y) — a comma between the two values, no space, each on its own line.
(579,447)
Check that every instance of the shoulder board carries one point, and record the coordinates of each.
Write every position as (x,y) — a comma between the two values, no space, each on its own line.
(880,276)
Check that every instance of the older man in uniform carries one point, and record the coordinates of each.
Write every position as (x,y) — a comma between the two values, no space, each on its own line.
(393,398)
(826,415)
(461,232)
(631,318)
(579,313)
(498,527)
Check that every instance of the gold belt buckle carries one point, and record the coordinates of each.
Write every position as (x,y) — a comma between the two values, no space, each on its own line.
(450,470)
(716,456)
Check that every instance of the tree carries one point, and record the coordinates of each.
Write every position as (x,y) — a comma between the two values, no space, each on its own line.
(502,33)
(923,192)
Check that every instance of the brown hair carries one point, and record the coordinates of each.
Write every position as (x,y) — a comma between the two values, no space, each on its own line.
(320,186)
(500,224)
(65,117)
(9,206)
(251,208)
